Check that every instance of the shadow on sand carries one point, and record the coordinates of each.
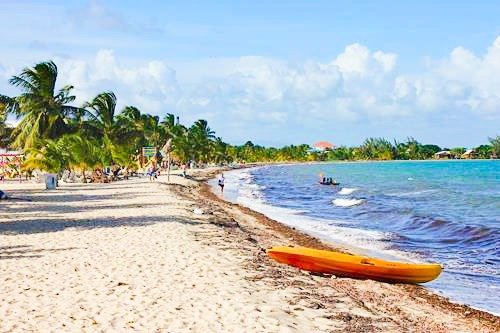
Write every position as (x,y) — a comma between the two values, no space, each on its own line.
(47,211)
(26,251)
(53,225)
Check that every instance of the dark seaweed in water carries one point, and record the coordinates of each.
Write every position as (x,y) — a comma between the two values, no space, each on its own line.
(453,232)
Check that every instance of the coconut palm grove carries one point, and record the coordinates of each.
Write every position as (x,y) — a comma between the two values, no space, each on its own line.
(55,135)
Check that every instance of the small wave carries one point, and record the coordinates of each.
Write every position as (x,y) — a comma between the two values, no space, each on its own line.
(411,194)
(347,191)
(347,202)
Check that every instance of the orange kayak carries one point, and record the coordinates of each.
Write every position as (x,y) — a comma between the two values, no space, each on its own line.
(330,262)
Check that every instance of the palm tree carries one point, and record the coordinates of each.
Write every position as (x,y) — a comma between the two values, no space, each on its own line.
(44,112)
(3,117)
(182,145)
(171,127)
(102,124)
(50,156)
(169,124)
(219,149)
(341,153)
(484,151)
(495,146)
(201,135)
(201,126)
(102,114)
(153,131)
(130,128)
(376,148)
(84,154)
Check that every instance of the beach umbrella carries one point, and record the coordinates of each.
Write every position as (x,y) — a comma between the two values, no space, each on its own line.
(167,147)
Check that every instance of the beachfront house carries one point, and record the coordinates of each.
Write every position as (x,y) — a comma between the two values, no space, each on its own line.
(444,154)
(470,154)
(323,146)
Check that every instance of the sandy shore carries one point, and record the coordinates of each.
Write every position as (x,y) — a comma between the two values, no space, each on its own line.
(139,256)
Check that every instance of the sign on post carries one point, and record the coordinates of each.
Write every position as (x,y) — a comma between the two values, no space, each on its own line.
(148,151)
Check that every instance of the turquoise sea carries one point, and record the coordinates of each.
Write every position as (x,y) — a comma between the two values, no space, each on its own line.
(434,211)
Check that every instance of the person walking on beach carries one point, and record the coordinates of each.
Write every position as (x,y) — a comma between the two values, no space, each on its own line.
(184,167)
(220,182)
(151,173)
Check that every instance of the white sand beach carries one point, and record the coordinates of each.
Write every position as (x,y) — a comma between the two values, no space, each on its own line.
(134,256)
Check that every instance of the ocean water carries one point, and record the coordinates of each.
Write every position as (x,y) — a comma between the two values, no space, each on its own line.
(423,211)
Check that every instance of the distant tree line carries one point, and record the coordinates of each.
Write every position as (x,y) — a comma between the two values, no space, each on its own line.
(56,135)
(411,149)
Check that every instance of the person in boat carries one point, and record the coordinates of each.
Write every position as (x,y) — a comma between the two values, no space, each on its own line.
(325,181)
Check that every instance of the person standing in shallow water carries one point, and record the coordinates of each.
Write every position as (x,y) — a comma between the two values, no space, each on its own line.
(220,182)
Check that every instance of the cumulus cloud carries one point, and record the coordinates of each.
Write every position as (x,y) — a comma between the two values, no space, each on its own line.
(358,83)
(148,85)
(259,93)
(462,82)
(358,59)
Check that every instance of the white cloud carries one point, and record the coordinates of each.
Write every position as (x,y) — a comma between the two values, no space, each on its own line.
(462,82)
(387,60)
(402,88)
(358,59)
(357,84)
(148,86)
(354,59)
(257,93)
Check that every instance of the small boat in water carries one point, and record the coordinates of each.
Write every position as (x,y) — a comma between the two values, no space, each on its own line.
(327,183)
(353,266)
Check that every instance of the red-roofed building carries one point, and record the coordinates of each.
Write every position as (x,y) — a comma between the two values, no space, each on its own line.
(323,145)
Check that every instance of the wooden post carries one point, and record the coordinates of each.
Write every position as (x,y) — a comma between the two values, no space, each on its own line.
(166,149)
(168,168)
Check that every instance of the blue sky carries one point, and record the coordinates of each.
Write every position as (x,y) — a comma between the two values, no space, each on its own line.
(276,72)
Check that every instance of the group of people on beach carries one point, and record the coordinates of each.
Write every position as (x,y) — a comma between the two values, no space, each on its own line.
(153,173)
